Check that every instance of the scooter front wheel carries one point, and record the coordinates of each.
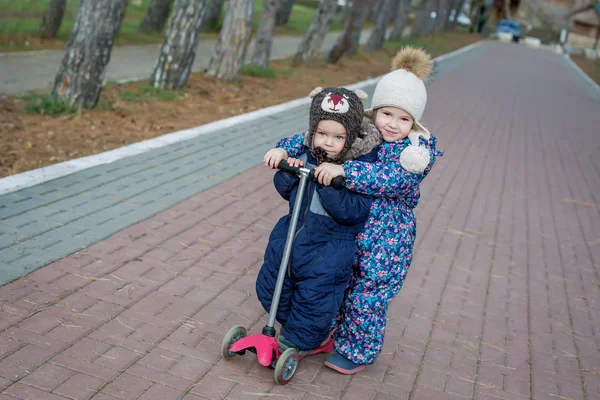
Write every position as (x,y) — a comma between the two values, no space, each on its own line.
(233,335)
(286,366)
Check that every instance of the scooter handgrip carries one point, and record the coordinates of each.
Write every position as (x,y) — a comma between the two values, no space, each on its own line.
(338,182)
(283,166)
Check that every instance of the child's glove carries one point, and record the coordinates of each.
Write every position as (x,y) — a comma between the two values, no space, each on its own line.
(415,158)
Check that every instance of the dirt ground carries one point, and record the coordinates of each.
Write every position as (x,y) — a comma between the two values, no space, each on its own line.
(126,114)
(590,67)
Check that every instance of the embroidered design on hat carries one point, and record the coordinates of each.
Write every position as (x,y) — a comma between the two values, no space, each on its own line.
(335,103)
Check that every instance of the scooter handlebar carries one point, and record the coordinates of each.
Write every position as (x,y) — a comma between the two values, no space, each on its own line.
(338,182)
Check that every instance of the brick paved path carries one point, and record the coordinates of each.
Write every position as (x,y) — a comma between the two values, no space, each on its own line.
(501,301)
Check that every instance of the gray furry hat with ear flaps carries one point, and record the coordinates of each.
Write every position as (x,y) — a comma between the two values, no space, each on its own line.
(340,105)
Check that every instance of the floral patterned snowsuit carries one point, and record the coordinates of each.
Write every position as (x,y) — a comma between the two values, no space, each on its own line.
(385,245)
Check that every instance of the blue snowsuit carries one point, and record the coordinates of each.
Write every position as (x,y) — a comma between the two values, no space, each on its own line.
(322,256)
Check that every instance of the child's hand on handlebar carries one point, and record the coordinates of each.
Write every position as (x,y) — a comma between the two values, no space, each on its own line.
(274,157)
(294,162)
(327,171)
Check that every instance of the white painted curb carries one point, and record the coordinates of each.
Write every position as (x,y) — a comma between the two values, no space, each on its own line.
(26,179)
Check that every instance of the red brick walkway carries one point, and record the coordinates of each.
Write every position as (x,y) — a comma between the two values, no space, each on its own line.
(501,301)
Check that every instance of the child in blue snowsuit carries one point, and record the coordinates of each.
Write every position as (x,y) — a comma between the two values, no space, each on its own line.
(385,245)
(324,245)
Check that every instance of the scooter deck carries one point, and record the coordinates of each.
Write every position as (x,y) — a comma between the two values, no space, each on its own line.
(324,348)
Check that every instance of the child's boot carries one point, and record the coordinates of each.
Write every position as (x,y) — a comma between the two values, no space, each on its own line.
(342,365)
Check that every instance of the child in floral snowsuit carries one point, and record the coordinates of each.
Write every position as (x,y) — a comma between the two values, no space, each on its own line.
(385,245)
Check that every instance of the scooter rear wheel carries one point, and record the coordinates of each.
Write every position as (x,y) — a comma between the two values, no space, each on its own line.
(233,335)
(286,366)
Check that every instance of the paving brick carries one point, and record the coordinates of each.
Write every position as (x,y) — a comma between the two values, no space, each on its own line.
(190,368)
(9,344)
(30,393)
(26,358)
(47,377)
(158,391)
(117,358)
(83,366)
(80,387)
(87,349)
(127,387)
(163,378)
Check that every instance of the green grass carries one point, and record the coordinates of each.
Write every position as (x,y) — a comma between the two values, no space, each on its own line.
(150,93)
(20,20)
(269,72)
(46,105)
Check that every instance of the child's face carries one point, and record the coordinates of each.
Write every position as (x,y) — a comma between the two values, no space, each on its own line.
(330,136)
(393,123)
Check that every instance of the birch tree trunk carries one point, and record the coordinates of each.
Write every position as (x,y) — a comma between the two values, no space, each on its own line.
(53,18)
(355,38)
(313,40)
(377,37)
(264,37)
(156,16)
(87,52)
(178,50)
(400,19)
(284,11)
(230,51)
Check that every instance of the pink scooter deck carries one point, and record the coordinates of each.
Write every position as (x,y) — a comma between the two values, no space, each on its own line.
(266,345)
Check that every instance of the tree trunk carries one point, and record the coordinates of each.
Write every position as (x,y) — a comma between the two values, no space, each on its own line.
(178,51)
(156,16)
(264,37)
(87,52)
(507,14)
(400,19)
(53,18)
(345,12)
(123,11)
(423,23)
(213,16)
(355,38)
(377,37)
(230,52)
(374,11)
(284,11)
(313,40)
(342,44)
(459,7)
(441,16)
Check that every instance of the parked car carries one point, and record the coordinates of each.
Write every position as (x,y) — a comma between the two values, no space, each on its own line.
(509,26)
(462,20)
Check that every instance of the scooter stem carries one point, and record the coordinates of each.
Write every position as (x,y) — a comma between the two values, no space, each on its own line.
(304,177)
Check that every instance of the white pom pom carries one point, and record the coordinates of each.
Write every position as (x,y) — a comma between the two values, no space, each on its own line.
(415,158)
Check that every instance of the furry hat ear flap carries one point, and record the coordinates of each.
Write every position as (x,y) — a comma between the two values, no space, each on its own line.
(415,158)
(361,94)
(315,91)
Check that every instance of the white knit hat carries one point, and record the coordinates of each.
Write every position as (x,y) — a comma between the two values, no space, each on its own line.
(404,88)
